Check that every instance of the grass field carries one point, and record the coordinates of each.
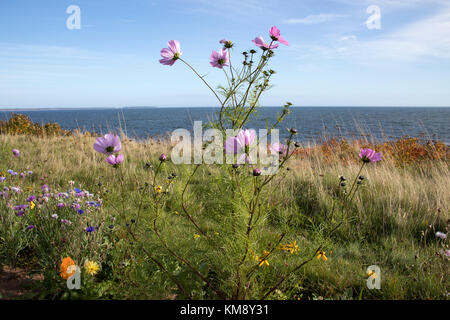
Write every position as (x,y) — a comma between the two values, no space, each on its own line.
(391,222)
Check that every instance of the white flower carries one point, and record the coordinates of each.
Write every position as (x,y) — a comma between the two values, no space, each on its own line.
(441,235)
(55,216)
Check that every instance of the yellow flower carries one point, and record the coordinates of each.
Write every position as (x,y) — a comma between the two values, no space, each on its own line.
(32,205)
(91,267)
(176,212)
(196,236)
(291,247)
(372,273)
(158,189)
(263,260)
(321,254)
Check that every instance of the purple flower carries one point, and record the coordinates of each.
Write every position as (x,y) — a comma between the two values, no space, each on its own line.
(20,213)
(256,172)
(61,205)
(80,211)
(240,144)
(30,227)
(171,54)
(259,41)
(21,207)
(2,179)
(369,155)
(108,144)
(90,229)
(276,36)
(31,198)
(45,188)
(115,161)
(279,148)
(76,205)
(16,152)
(162,157)
(219,59)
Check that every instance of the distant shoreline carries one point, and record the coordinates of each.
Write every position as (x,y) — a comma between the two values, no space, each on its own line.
(192,107)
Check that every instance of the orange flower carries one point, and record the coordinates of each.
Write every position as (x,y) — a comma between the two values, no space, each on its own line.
(67,268)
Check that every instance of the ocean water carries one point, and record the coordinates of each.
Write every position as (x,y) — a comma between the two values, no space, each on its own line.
(313,123)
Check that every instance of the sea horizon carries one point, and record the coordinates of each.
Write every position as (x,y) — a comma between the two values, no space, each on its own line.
(315,123)
(218,107)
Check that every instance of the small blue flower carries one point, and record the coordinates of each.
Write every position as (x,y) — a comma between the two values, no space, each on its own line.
(80,211)
(77,190)
(90,229)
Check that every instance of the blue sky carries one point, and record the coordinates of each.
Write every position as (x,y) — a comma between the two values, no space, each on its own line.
(333,58)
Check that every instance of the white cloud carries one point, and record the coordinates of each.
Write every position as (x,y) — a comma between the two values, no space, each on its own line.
(423,39)
(429,37)
(316,18)
(392,4)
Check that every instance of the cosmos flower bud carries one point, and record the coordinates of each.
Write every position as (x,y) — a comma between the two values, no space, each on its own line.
(162,157)
(16,152)
(293,131)
(256,172)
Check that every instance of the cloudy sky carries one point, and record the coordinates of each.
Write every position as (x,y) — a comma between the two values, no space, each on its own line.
(334,58)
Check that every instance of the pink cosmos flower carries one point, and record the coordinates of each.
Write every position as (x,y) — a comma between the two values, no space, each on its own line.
(115,161)
(171,54)
(240,144)
(16,152)
(280,149)
(369,155)
(259,41)
(108,144)
(220,59)
(276,35)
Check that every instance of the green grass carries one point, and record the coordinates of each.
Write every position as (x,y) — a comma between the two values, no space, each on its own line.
(391,223)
